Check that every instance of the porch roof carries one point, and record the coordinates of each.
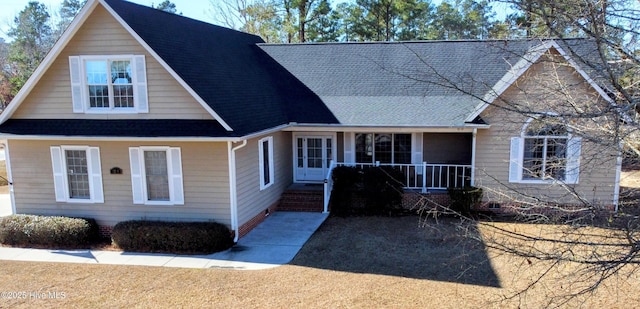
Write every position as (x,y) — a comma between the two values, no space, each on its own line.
(404,111)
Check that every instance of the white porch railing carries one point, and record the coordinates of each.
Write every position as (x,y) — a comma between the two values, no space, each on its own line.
(328,186)
(421,176)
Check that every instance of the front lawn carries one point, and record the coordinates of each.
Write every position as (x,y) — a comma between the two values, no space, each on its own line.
(359,262)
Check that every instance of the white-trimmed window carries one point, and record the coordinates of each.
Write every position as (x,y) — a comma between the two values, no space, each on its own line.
(77,175)
(265,155)
(544,152)
(109,84)
(156,175)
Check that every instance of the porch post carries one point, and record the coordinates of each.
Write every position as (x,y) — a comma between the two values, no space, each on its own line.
(424,177)
(473,156)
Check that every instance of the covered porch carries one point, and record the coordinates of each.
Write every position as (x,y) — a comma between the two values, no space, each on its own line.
(432,160)
(425,176)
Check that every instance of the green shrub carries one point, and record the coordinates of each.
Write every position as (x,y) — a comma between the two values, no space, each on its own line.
(366,191)
(382,189)
(345,179)
(171,237)
(463,199)
(25,230)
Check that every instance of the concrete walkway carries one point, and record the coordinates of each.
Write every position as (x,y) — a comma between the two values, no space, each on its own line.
(5,205)
(274,242)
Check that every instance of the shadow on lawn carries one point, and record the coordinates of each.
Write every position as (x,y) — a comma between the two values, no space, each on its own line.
(399,246)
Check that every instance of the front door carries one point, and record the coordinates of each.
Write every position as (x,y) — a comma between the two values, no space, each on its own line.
(313,154)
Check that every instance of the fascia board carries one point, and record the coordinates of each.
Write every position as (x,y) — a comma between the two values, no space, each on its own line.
(509,78)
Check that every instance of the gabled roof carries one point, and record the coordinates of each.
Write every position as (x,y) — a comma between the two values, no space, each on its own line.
(581,54)
(427,83)
(225,68)
(242,87)
(418,84)
(249,86)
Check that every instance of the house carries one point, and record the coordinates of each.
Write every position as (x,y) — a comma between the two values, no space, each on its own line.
(199,122)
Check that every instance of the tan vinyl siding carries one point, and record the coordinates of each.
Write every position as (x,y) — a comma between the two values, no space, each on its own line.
(533,92)
(252,200)
(103,35)
(205,175)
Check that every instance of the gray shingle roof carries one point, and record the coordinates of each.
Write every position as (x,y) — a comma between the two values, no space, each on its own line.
(401,111)
(243,85)
(255,86)
(427,83)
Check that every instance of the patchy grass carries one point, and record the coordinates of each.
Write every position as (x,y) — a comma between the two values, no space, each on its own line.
(349,262)
(401,247)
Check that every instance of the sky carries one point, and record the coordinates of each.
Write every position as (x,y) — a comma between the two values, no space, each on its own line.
(9,9)
(196,9)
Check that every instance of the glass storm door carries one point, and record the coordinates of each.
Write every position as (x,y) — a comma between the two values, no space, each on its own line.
(313,154)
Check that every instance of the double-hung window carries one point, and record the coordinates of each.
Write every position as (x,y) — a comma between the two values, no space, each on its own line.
(383,148)
(265,158)
(156,175)
(77,175)
(545,152)
(108,84)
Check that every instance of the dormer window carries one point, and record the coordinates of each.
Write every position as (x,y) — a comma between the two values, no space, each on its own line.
(109,84)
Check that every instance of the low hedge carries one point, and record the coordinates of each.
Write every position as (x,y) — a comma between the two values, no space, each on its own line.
(48,231)
(171,237)
(375,190)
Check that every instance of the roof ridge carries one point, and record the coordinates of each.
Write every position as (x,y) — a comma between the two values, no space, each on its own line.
(425,41)
(173,15)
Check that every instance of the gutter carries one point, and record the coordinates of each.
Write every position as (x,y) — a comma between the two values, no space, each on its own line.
(616,189)
(306,126)
(233,192)
(117,139)
(149,138)
(473,156)
(285,127)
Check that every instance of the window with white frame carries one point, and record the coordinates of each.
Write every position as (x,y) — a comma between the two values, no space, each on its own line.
(77,175)
(108,84)
(156,175)
(545,152)
(383,147)
(265,157)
